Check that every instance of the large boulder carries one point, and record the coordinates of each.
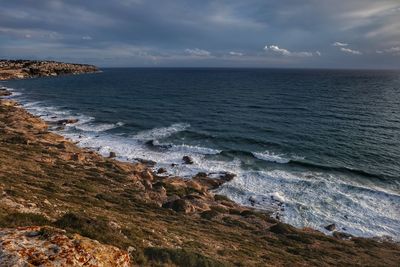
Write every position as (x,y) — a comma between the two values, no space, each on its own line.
(47,246)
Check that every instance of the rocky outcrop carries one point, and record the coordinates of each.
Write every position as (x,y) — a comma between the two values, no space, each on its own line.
(47,246)
(22,69)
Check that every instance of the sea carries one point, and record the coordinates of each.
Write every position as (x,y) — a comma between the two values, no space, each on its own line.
(312,147)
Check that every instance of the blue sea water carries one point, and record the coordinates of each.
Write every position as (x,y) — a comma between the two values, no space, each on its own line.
(325,143)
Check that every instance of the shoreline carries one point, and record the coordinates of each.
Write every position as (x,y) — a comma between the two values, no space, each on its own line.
(190,198)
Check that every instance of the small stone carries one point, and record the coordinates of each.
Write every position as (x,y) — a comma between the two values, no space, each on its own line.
(112,155)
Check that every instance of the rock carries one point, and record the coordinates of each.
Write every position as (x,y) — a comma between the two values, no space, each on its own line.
(5,92)
(147,175)
(180,205)
(112,155)
(47,246)
(330,227)
(187,160)
(341,235)
(161,170)
(147,184)
(201,174)
(252,200)
(195,185)
(78,157)
(160,189)
(227,176)
(67,121)
(149,163)
(9,103)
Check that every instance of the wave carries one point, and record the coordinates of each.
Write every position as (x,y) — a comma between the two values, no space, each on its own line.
(311,165)
(159,133)
(97,127)
(272,157)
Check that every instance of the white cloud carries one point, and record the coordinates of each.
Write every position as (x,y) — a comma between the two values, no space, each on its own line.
(339,44)
(350,51)
(198,52)
(233,53)
(87,38)
(318,53)
(393,50)
(284,52)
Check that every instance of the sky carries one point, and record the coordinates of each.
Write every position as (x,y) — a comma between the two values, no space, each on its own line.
(206,33)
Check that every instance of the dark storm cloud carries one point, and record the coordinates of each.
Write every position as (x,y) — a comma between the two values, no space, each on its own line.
(256,33)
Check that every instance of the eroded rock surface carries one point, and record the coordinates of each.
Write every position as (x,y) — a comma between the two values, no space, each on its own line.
(47,246)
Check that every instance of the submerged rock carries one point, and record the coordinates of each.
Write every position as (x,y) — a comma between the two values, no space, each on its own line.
(330,227)
(161,170)
(67,121)
(149,163)
(187,160)
(47,246)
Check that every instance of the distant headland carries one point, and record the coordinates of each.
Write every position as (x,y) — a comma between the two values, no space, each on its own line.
(22,69)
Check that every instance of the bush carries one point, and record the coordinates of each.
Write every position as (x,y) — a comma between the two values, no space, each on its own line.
(180,257)
(98,228)
(209,214)
(23,219)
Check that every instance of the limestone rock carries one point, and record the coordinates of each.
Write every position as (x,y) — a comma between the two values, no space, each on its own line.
(46,246)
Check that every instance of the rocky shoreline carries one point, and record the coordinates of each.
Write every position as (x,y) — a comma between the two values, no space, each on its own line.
(23,69)
(51,189)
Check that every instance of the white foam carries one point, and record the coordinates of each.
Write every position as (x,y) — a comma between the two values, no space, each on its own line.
(158,133)
(98,127)
(271,157)
(316,200)
(195,149)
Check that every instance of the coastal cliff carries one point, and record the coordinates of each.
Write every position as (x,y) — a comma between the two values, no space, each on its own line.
(22,69)
(129,213)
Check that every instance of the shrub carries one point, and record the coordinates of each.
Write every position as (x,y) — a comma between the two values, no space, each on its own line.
(23,219)
(180,257)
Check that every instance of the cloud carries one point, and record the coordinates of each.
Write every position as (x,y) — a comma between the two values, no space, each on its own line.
(350,51)
(172,30)
(284,52)
(393,50)
(339,44)
(233,53)
(198,52)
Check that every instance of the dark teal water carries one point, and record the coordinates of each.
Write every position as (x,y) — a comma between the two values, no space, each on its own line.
(325,143)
